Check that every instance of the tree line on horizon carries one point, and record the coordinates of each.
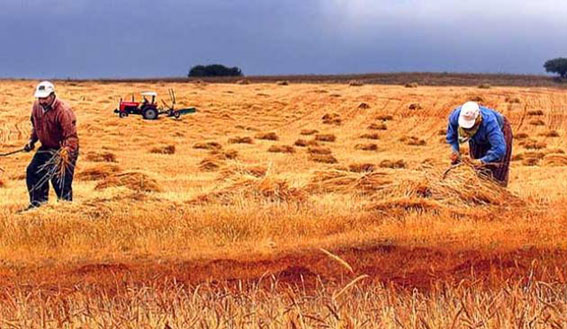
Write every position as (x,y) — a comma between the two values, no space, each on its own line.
(556,65)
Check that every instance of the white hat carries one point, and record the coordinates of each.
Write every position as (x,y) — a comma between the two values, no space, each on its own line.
(469,112)
(44,89)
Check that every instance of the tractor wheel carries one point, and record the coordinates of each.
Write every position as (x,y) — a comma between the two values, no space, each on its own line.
(177,114)
(123,114)
(150,114)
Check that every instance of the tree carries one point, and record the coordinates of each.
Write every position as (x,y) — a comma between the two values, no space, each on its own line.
(557,65)
(214,70)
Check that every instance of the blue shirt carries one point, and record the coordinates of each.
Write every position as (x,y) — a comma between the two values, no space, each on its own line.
(489,134)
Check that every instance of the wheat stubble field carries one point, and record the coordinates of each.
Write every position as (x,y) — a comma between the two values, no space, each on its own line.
(287,206)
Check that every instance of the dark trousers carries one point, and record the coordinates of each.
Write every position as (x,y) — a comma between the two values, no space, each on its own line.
(38,177)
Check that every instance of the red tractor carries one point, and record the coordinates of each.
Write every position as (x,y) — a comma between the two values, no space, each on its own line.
(148,107)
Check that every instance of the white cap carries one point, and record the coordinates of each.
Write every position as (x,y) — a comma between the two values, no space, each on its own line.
(469,112)
(44,89)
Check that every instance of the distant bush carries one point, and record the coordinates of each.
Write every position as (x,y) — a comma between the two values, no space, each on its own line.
(557,65)
(214,70)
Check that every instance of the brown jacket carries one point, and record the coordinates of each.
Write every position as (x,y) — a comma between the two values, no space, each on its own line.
(56,127)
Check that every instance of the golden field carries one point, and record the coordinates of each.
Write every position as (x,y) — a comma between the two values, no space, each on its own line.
(300,206)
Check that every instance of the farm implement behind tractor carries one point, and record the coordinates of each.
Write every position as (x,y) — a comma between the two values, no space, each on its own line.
(148,107)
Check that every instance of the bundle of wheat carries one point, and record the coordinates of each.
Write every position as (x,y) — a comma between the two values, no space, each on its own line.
(412,85)
(333,118)
(57,168)
(97,172)
(281,149)
(325,137)
(366,147)
(323,158)
(307,132)
(319,150)
(241,140)
(555,160)
(363,106)
(535,113)
(207,146)
(362,167)
(384,117)
(304,143)
(272,136)
(373,136)
(133,180)
(338,181)
(170,149)
(393,164)
(263,189)
(101,157)
(377,126)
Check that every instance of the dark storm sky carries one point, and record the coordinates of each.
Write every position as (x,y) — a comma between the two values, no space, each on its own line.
(143,38)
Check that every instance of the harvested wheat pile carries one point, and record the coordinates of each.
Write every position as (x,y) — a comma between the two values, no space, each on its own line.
(484,86)
(378,126)
(537,123)
(384,117)
(373,136)
(170,149)
(458,189)
(264,189)
(281,149)
(319,150)
(477,99)
(513,100)
(534,113)
(338,181)
(241,140)
(521,136)
(530,162)
(101,157)
(362,167)
(555,160)
(363,106)
(412,85)
(136,181)
(271,136)
(208,146)
(240,169)
(282,83)
(307,132)
(243,82)
(551,133)
(413,141)
(224,155)
(333,118)
(323,158)
(305,143)
(366,147)
(210,164)
(532,144)
(325,137)
(415,106)
(397,164)
(97,172)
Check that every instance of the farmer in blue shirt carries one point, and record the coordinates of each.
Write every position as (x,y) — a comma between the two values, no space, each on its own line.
(489,135)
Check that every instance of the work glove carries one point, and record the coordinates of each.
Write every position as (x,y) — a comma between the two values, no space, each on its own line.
(29,146)
(455,158)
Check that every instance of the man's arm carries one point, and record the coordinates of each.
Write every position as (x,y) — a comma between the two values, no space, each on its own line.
(452,132)
(497,142)
(68,123)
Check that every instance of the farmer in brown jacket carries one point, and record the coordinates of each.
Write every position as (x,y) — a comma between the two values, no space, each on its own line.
(54,125)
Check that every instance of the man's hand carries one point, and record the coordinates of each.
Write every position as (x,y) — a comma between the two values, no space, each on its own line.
(455,158)
(29,146)
(477,163)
